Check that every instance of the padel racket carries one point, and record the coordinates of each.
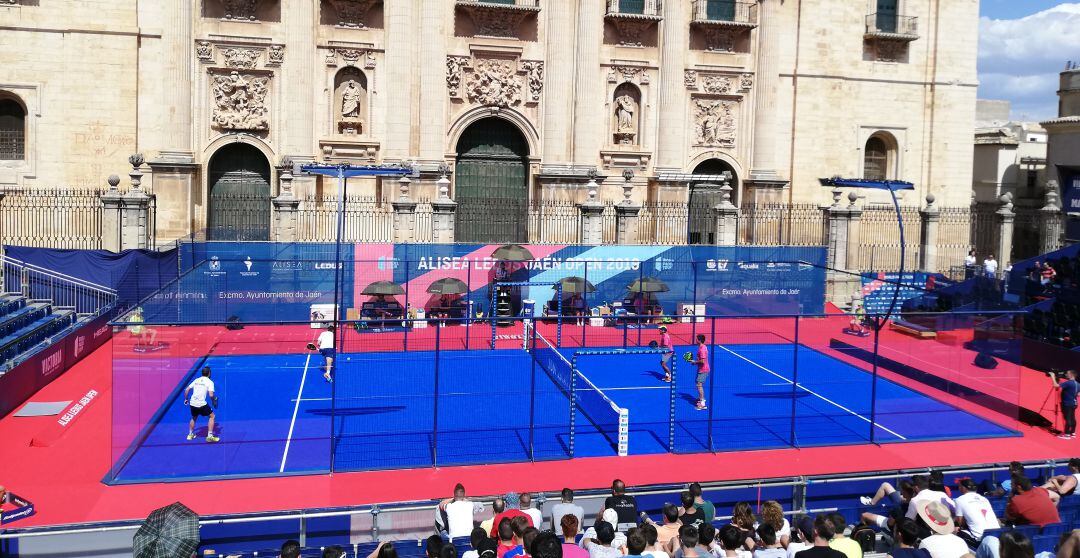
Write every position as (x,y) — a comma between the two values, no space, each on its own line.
(653,344)
(688,356)
(311,346)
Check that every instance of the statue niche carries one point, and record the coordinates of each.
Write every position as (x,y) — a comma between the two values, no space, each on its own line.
(350,101)
(626,114)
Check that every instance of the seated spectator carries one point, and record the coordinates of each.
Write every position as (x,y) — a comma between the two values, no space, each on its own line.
(547,545)
(488,548)
(707,540)
(623,504)
(823,533)
(690,514)
(772,513)
(1015,544)
(742,516)
(386,550)
(433,546)
(656,547)
(447,551)
(770,547)
(455,514)
(570,526)
(333,551)
(840,541)
(701,503)
(925,493)
(599,546)
(1015,469)
(525,505)
(895,499)
(670,529)
(290,549)
(1030,505)
(942,542)
(686,544)
(1064,485)
(905,537)
(609,517)
(528,535)
(975,514)
(477,536)
(497,507)
(511,501)
(731,543)
(802,536)
(506,537)
(566,506)
(635,543)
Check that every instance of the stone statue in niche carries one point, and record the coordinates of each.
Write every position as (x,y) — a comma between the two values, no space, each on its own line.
(624,112)
(350,99)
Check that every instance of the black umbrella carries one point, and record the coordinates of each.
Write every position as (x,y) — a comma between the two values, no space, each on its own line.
(383,288)
(447,286)
(648,285)
(512,253)
(169,532)
(575,285)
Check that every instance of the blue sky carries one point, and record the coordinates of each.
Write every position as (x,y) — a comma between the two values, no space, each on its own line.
(1023,45)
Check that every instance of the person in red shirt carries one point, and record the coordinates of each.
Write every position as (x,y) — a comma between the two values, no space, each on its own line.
(702,363)
(511,499)
(1030,505)
(665,359)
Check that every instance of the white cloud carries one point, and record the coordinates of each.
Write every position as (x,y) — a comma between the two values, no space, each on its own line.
(1019,59)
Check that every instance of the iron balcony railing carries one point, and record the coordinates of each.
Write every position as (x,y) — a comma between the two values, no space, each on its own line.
(892,24)
(514,3)
(651,8)
(733,11)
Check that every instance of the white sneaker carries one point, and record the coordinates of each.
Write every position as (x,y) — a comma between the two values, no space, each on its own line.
(866,500)
(190,435)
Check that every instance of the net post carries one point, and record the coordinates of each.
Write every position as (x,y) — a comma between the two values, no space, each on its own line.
(712,379)
(879,322)
(405,343)
(794,384)
(693,318)
(532,399)
(625,329)
(671,402)
(435,414)
(624,432)
(585,297)
(573,406)
(641,277)
(468,299)
(558,324)
(491,313)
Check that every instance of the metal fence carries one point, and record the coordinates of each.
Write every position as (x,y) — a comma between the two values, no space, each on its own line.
(879,239)
(54,218)
(63,291)
(782,225)
(367,219)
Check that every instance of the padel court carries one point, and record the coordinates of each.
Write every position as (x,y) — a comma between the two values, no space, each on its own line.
(277,415)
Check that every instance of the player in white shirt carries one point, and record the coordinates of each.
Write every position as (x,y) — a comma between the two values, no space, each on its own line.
(202,392)
(326,349)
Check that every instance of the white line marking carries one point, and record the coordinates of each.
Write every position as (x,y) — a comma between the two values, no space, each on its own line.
(313,399)
(296,409)
(629,388)
(815,394)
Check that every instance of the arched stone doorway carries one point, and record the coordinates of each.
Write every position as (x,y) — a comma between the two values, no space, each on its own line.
(491,183)
(238,178)
(704,196)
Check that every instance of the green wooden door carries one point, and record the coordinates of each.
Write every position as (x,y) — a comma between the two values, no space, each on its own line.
(704,196)
(720,10)
(239,204)
(491,184)
(886,16)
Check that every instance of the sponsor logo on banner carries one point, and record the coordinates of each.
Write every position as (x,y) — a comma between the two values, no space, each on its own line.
(214,267)
(74,410)
(717,265)
(388,263)
(247,268)
(804,266)
(80,344)
(748,266)
(101,331)
(52,363)
(778,266)
(328,265)
(663,264)
(286,266)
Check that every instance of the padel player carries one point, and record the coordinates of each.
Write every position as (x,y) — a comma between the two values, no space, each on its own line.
(201,389)
(665,359)
(326,349)
(702,363)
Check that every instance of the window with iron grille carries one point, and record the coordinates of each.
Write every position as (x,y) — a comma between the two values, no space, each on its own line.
(12,131)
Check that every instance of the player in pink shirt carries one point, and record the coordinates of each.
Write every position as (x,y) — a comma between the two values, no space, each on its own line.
(665,359)
(702,363)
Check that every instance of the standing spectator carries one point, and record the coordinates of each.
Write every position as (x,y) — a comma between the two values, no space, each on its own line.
(990,266)
(623,504)
(823,533)
(770,546)
(477,536)
(700,502)
(773,514)
(459,512)
(971,264)
(802,536)
(564,507)
(525,505)
(906,536)
(290,549)
(497,507)
(1068,388)
(840,541)
(691,514)
(656,547)
(975,514)
(570,526)
(600,546)
(1064,485)
(942,543)
(1030,505)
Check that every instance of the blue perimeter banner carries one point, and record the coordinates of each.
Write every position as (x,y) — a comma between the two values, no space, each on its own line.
(266,282)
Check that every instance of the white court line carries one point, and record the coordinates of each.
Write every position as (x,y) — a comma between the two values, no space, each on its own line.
(815,394)
(296,409)
(298,400)
(629,388)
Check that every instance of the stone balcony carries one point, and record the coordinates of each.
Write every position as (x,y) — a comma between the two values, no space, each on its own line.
(498,18)
(736,14)
(633,18)
(891,27)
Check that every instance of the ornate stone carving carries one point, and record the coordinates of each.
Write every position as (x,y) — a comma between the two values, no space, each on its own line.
(276,55)
(352,13)
(351,57)
(631,29)
(720,39)
(454,67)
(534,73)
(746,82)
(237,57)
(204,51)
(628,73)
(690,79)
(240,9)
(626,111)
(496,21)
(494,82)
(890,51)
(240,102)
(717,85)
(714,123)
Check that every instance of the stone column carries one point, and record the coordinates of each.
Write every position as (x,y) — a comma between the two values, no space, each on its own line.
(854,233)
(297,75)
(111,202)
(404,213)
(286,207)
(588,101)
(435,17)
(401,38)
(1006,216)
(674,36)
(931,220)
(592,220)
(837,217)
(134,212)
(727,216)
(179,53)
(442,214)
(764,166)
(559,78)
(1051,218)
(627,214)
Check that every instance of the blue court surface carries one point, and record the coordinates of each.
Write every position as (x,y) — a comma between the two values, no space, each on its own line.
(277,415)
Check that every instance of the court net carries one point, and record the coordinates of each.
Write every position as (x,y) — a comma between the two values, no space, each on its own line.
(611,421)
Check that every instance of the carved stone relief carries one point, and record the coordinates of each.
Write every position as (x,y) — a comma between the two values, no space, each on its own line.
(717,85)
(204,51)
(690,79)
(495,21)
(240,9)
(501,82)
(720,39)
(746,82)
(275,56)
(628,73)
(237,57)
(352,13)
(351,57)
(240,101)
(534,73)
(631,30)
(714,122)
(454,67)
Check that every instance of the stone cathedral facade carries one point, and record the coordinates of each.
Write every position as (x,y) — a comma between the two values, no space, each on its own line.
(518,101)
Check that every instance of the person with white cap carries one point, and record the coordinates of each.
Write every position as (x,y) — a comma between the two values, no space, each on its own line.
(596,537)
(943,543)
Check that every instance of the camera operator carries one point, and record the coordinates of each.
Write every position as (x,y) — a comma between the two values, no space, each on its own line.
(1068,388)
